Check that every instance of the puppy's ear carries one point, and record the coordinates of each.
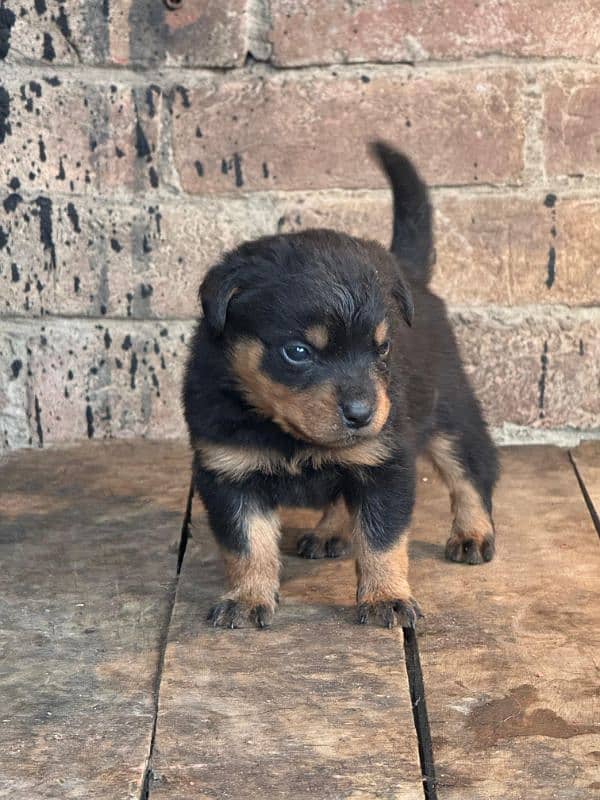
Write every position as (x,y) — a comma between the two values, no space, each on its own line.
(403,296)
(221,283)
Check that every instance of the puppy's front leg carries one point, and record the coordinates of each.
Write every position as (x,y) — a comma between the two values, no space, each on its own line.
(382,510)
(248,532)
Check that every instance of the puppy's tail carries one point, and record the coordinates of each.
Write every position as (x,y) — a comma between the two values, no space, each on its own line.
(412,239)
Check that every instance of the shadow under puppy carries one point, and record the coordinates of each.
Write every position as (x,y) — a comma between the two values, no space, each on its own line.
(322,366)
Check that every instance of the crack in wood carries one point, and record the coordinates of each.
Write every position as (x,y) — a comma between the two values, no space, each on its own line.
(586,495)
(164,637)
(416,688)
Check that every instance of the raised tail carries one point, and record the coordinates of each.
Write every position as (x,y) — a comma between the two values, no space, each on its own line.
(412,239)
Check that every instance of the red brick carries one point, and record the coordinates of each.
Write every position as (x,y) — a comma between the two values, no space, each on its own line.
(14,423)
(541,370)
(572,122)
(80,138)
(103,380)
(334,31)
(490,249)
(200,33)
(310,132)
(122,378)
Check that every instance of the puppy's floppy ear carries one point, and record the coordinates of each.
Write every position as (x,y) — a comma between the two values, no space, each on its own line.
(221,283)
(403,296)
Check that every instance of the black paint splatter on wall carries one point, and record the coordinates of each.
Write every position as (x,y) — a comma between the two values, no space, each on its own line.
(7,20)
(5,128)
(44,205)
(550,202)
(542,381)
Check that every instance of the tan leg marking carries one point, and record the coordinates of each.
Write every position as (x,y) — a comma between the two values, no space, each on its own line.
(382,575)
(383,590)
(331,536)
(254,577)
(472,535)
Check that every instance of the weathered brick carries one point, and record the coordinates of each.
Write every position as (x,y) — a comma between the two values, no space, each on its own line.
(100,380)
(14,423)
(80,258)
(67,136)
(99,259)
(309,132)
(505,250)
(122,378)
(572,122)
(541,370)
(120,261)
(136,32)
(338,31)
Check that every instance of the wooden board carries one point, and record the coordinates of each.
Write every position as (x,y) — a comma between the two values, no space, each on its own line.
(314,708)
(587,462)
(511,650)
(88,541)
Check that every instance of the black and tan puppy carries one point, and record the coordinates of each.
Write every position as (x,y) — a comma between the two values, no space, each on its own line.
(322,366)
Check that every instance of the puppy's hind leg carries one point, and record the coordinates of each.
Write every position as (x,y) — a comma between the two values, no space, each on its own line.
(468,468)
(332,535)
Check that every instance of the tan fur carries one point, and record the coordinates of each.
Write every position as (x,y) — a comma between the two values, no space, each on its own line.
(317,335)
(254,577)
(382,575)
(471,520)
(336,521)
(382,407)
(237,462)
(382,332)
(311,414)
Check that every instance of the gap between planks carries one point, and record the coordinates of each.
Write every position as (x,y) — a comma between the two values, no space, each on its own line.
(411,659)
(164,638)
(586,495)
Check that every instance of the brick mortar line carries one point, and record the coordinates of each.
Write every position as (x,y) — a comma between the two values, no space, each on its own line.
(511,434)
(493,313)
(570,188)
(141,76)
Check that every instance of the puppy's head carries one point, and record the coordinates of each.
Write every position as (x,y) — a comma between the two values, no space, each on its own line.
(306,322)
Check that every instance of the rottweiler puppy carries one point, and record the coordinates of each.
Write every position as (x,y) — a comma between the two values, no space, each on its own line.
(323,365)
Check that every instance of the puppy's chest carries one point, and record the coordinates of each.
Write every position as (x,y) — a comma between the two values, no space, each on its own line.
(311,488)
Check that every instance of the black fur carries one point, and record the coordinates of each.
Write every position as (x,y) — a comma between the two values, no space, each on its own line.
(273,289)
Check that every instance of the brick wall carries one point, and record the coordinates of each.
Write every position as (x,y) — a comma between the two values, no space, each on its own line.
(136,143)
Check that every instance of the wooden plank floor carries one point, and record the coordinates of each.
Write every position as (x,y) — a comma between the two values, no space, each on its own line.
(511,651)
(316,706)
(586,458)
(88,571)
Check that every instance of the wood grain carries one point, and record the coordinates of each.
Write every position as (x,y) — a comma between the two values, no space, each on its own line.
(587,462)
(314,707)
(510,649)
(88,551)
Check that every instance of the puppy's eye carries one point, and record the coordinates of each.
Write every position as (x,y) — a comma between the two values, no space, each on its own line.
(296,353)
(384,348)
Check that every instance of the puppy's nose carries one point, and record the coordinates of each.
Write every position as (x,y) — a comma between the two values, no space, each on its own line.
(357,413)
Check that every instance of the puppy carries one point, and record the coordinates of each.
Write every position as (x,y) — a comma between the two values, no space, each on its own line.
(323,365)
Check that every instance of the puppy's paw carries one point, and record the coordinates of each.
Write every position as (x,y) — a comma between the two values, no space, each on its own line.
(238,614)
(470,549)
(390,613)
(312,546)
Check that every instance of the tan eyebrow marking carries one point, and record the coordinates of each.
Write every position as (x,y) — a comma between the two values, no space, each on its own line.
(382,332)
(317,335)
